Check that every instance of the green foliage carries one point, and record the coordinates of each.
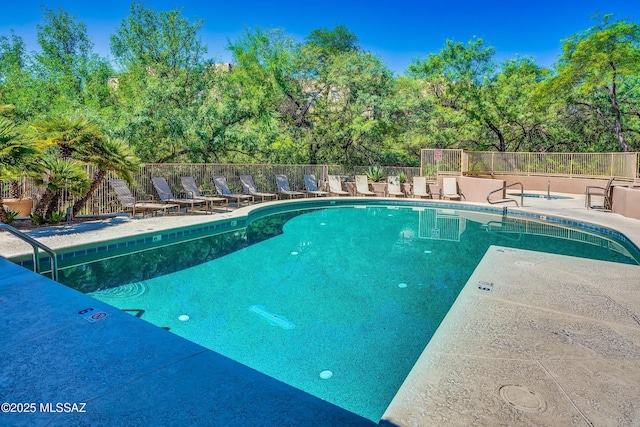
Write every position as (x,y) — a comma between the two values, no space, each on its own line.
(376,174)
(37,219)
(598,80)
(57,217)
(11,216)
(322,100)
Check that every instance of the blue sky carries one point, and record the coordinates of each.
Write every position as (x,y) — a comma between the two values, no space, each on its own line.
(396,31)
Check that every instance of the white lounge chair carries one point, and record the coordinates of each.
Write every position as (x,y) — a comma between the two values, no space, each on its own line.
(335,186)
(421,188)
(362,186)
(249,187)
(312,186)
(393,186)
(283,187)
(450,189)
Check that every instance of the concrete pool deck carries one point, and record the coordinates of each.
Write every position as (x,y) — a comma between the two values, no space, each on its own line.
(556,341)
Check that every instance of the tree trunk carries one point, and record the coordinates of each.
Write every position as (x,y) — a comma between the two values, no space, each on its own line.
(53,204)
(98,177)
(502,146)
(617,124)
(14,189)
(3,213)
(43,204)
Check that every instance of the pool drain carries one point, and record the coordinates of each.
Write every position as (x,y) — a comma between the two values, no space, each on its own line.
(183,317)
(523,399)
(325,375)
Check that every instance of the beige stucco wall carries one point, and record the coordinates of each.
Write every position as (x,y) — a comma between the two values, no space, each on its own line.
(477,189)
(626,201)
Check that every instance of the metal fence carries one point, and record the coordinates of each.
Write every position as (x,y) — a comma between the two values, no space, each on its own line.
(433,163)
(104,201)
(623,166)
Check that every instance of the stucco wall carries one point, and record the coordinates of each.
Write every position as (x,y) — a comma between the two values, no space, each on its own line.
(626,201)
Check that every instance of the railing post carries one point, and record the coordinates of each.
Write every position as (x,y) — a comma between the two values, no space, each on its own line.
(611,165)
(570,165)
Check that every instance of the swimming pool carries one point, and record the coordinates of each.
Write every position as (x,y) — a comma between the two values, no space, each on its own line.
(357,291)
(539,196)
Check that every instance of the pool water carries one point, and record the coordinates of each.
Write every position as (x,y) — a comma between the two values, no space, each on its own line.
(539,196)
(342,302)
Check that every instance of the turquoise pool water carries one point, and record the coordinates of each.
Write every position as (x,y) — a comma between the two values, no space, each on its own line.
(338,302)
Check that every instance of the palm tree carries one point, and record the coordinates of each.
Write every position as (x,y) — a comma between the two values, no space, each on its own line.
(64,136)
(14,152)
(58,175)
(109,155)
(67,132)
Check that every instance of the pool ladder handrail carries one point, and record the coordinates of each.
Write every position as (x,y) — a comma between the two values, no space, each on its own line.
(506,200)
(36,254)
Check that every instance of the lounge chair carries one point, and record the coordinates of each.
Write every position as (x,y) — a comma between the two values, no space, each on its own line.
(604,192)
(192,192)
(165,194)
(128,201)
(335,186)
(362,186)
(223,190)
(449,189)
(283,187)
(249,187)
(421,188)
(393,186)
(312,186)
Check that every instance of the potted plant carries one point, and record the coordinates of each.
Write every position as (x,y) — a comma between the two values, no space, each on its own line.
(405,184)
(376,177)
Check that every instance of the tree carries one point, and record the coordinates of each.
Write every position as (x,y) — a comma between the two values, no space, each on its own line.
(475,104)
(58,174)
(65,55)
(15,150)
(163,83)
(598,74)
(108,155)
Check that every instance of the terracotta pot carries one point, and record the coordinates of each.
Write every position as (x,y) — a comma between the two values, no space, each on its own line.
(22,206)
(406,188)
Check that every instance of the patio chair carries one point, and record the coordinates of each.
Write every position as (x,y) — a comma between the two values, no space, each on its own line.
(128,201)
(165,194)
(283,187)
(362,186)
(312,186)
(421,188)
(249,187)
(223,190)
(450,190)
(192,192)
(604,192)
(393,186)
(335,186)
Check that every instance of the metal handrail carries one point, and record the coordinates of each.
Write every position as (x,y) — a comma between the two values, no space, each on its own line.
(36,254)
(508,200)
